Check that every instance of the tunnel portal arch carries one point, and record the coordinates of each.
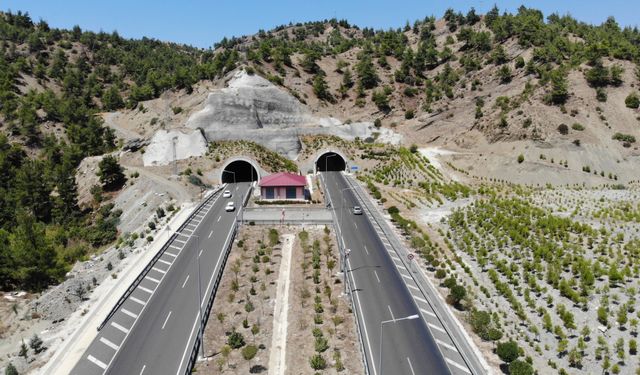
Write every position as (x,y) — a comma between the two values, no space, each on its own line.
(239,170)
(330,161)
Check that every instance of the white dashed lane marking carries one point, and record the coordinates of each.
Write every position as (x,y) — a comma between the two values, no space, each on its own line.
(127,312)
(185,281)
(420,299)
(375,273)
(98,362)
(145,289)
(210,234)
(119,327)
(456,364)
(428,312)
(159,270)
(139,301)
(164,261)
(171,254)
(166,320)
(413,287)
(436,327)
(152,279)
(448,346)
(109,343)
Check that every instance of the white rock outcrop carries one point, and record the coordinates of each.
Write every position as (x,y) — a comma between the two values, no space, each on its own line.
(252,108)
(188,143)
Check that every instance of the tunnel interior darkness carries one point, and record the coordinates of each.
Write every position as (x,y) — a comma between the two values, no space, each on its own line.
(330,161)
(242,170)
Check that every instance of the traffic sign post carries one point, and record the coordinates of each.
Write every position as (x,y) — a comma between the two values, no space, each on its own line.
(411,256)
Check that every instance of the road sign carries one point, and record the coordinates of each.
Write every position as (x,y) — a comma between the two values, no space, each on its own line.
(411,256)
(354,168)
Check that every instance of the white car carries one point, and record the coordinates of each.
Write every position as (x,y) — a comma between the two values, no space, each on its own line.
(230,206)
(226,194)
(357,210)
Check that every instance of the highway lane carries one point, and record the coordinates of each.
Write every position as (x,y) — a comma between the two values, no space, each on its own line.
(381,295)
(154,330)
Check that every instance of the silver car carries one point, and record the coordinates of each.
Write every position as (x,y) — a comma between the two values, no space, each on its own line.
(357,210)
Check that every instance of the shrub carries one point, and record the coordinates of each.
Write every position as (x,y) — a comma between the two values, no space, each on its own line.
(632,101)
(520,158)
(318,362)
(235,340)
(577,126)
(508,351)
(518,367)
(409,114)
(624,138)
(563,129)
(249,351)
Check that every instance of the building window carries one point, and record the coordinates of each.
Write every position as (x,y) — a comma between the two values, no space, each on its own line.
(269,193)
(291,192)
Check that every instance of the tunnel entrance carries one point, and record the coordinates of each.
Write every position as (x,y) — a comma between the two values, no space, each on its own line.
(330,161)
(239,171)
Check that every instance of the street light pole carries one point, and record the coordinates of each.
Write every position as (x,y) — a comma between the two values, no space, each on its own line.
(410,317)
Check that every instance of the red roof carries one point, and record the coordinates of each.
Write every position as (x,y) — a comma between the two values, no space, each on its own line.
(283,179)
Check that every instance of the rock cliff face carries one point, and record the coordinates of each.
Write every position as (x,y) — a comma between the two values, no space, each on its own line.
(250,102)
(160,148)
(252,108)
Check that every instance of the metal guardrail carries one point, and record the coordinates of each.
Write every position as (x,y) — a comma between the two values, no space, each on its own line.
(205,315)
(398,247)
(336,230)
(153,261)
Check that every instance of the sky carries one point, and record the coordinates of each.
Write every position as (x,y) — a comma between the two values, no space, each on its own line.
(202,23)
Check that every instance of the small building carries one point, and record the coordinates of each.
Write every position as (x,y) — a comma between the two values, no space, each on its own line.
(283,186)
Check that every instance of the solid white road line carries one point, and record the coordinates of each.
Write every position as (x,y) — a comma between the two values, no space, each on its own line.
(175,247)
(406,276)
(98,362)
(375,273)
(127,312)
(143,367)
(108,343)
(119,327)
(210,234)
(410,366)
(181,241)
(145,289)
(436,327)
(185,281)
(159,270)
(164,261)
(412,286)
(401,267)
(171,254)
(456,364)
(134,299)
(448,346)
(200,253)
(166,320)
(152,279)
(392,317)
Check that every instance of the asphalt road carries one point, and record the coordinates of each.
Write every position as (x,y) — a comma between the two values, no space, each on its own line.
(154,330)
(381,295)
